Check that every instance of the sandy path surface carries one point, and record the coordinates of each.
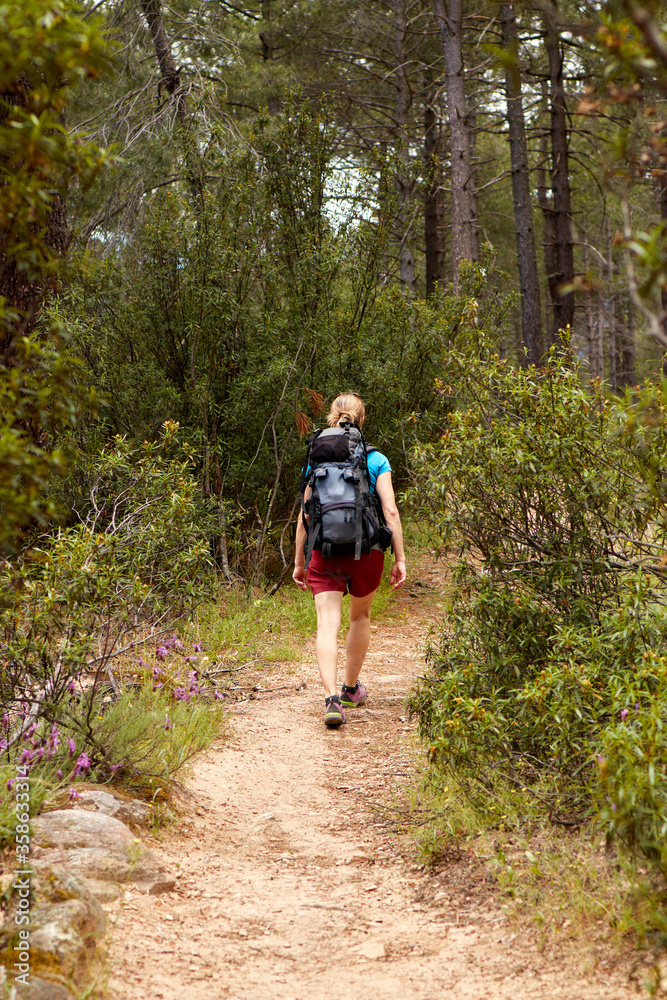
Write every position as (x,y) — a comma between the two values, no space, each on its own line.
(293,884)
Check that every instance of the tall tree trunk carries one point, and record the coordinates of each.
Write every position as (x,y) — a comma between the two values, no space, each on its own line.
(266,38)
(563,302)
(531,310)
(661,192)
(449,15)
(171,81)
(433,199)
(404,185)
(546,207)
(170,76)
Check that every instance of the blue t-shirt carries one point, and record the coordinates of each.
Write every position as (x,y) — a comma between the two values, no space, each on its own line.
(377,464)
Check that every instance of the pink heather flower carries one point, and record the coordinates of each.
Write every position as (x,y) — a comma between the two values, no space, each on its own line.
(10,782)
(26,756)
(59,775)
(73,794)
(72,746)
(181,694)
(82,764)
(624,715)
(39,754)
(197,647)
(161,652)
(157,672)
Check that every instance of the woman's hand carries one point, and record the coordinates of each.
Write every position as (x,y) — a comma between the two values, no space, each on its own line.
(398,574)
(299,577)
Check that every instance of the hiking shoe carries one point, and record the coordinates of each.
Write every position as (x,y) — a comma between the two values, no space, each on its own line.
(351,697)
(333,713)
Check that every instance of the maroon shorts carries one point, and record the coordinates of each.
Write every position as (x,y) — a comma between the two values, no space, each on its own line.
(345,573)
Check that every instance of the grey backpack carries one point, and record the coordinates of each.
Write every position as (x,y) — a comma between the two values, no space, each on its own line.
(343,516)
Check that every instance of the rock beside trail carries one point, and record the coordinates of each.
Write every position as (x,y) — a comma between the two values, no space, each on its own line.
(66,926)
(130,811)
(99,848)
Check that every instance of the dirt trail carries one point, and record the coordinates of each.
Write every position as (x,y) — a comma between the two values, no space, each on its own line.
(293,885)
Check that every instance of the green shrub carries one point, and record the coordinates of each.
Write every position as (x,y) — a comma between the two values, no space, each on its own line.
(91,596)
(555,497)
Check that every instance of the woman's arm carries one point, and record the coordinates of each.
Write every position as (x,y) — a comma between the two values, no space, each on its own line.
(385,491)
(299,574)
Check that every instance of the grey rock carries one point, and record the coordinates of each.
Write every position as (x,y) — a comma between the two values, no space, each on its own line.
(42,989)
(130,811)
(66,924)
(98,847)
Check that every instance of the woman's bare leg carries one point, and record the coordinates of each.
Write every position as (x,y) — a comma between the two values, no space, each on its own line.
(358,637)
(328,607)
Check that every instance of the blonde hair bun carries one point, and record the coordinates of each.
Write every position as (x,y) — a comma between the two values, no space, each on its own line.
(347,406)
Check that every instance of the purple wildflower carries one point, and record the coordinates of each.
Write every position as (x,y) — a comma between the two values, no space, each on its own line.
(157,672)
(39,754)
(218,695)
(624,715)
(26,756)
(197,647)
(181,694)
(161,652)
(156,687)
(189,659)
(114,767)
(613,807)
(70,686)
(73,794)
(72,746)
(168,723)
(59,775)
(10,782)
(54,737)
(3,745)
(142,663)
(82,764)
(177,643)
(636,706)
(29,731)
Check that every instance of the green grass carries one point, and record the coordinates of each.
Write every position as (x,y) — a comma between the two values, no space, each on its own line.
(244,627)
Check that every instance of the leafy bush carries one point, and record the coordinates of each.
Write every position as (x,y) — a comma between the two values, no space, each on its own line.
(555,496)
(114,584)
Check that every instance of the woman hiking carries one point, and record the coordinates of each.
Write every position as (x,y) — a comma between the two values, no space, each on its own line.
(331,575)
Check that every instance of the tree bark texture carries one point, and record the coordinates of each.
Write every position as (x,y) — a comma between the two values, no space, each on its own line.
(433,200)
(531,309)
(546,207)
(404,185)
(563,303)
(449,15)
(170,75)
(171,81)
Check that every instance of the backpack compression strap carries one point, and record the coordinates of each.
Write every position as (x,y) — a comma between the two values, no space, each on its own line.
(309,506)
